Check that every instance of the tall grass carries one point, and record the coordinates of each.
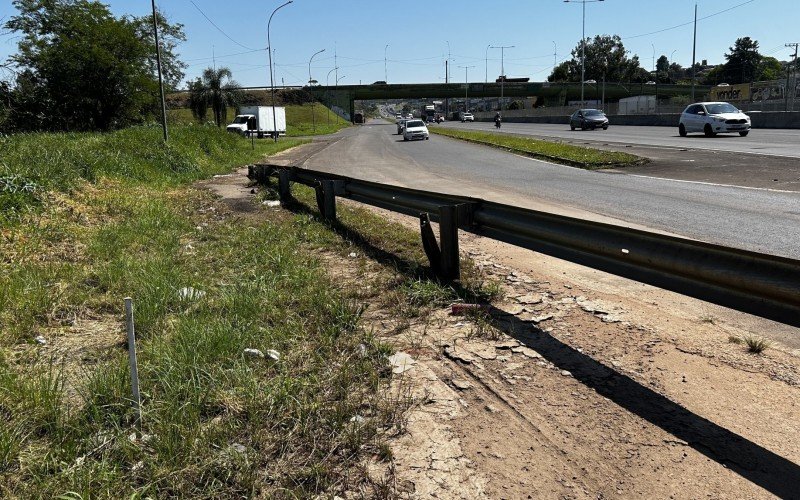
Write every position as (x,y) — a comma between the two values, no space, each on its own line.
(113,215)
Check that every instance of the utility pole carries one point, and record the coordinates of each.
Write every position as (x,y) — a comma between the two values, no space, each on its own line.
(555,54)
(160,79)
(792,69)
(447,79)
(694,51)
(466,87)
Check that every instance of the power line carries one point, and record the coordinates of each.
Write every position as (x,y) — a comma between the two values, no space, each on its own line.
(687,23)
(220,29)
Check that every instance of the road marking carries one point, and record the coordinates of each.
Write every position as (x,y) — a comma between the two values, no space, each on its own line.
(714,184)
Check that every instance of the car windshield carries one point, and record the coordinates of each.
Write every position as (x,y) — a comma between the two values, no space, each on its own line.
(467,114)
(415,123)
(592,112)
(724,107)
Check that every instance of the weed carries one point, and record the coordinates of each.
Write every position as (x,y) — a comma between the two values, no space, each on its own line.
(756,344)
(735,339)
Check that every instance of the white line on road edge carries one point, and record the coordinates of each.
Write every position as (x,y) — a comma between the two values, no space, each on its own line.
(714,184)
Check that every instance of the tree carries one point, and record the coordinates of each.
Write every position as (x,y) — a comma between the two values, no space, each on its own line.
(605,58)
(217,90)
(81,68)
(169,37)
(742,63)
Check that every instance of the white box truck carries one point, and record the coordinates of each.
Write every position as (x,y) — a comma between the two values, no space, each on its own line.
(637,105)
(258,120)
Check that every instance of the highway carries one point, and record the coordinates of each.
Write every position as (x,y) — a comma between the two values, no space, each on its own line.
(754,219)
(777,142)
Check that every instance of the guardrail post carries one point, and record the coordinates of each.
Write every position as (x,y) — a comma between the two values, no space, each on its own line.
(448,238)
(326,199)
(284,188)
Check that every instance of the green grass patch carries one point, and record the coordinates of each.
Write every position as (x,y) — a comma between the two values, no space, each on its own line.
(566,154)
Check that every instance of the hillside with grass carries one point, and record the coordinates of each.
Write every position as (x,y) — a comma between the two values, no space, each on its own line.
(301,119)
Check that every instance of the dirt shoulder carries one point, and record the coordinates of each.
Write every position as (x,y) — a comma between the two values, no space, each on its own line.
(578,384)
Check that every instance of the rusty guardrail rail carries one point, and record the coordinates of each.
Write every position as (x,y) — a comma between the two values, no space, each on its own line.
(756,283)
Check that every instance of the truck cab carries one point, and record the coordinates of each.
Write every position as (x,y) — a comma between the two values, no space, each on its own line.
(242,124)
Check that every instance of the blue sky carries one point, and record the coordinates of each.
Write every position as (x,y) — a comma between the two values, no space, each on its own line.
(357,31)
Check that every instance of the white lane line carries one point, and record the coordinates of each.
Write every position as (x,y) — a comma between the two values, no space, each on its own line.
(714,184)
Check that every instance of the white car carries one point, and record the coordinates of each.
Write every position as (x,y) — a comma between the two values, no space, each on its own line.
(415,129)
(713,118)
(467,117)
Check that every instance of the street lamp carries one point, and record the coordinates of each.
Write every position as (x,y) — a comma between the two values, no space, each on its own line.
(310,80)
(385,72)
(502,69)
(328,90)
(466,87)
(583,41)
(309,65)
(271,79)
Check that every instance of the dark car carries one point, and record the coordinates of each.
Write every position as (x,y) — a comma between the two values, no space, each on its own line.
(588,118)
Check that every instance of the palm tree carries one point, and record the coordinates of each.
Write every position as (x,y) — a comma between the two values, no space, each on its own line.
(216,89)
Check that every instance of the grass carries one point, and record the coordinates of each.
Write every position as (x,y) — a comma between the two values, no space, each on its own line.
(756,344)
(566,154)
(114,215)
(301,120)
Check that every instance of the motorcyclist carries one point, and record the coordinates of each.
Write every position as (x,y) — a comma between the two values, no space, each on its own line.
(497,120)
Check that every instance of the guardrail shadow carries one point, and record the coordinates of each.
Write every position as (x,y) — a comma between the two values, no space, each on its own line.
(753,462)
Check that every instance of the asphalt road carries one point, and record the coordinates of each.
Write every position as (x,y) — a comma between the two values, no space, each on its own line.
(775,142)
(762,220)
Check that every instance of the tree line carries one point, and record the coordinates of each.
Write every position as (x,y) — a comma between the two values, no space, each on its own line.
(607,59)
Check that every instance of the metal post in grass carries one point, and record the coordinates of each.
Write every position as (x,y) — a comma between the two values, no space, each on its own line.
(137,400)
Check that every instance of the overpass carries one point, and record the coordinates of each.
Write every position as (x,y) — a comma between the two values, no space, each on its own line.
(553,93)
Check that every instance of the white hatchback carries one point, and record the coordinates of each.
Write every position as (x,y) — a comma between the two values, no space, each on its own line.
(713,118)
(415,129)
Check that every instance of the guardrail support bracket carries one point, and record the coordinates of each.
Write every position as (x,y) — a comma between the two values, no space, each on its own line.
(429,243)
(443,256)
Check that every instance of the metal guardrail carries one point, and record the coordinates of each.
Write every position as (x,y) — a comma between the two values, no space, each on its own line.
(751,282)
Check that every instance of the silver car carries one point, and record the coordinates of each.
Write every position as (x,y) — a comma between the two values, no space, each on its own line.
(713,118)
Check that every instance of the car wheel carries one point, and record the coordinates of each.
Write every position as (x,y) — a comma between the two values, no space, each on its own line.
(707,130)
(405,138)
(681,130)
(571,126)
(744,133)
(605,127)
(427,138)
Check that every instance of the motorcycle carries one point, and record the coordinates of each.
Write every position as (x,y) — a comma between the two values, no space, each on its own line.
(497,122)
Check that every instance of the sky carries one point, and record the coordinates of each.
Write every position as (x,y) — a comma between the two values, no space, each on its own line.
(354,34)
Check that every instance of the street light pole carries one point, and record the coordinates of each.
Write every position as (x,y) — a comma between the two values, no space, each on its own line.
(309,65)
(313,114)
(271,79)
(328,89)
(466,87)
(583,41)
(385,72)
(502,70)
